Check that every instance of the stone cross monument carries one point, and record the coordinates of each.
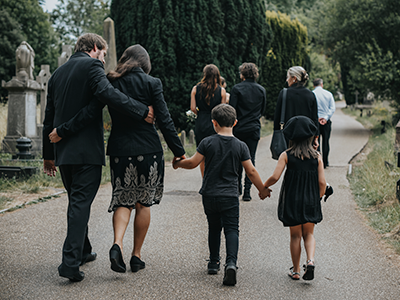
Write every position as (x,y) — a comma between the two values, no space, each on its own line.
(109,36)
(22,90)
(66,53)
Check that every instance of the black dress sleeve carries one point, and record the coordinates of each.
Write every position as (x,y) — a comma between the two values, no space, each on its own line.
(164,120)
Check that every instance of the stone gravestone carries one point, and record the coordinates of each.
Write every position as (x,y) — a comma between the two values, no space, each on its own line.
(22,89)
(191,136)
(183,137)
(66,53)
(109,36)
(43,79)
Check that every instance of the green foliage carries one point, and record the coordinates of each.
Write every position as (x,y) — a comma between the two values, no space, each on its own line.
(72,18)
(183,36)
(288,48)
(322,68)
(25,20)
(359,33)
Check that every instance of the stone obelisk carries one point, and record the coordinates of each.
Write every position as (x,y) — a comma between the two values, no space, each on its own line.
(109,36)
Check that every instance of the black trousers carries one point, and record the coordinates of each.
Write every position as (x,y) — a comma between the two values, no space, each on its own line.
(81,183)
(325,133)
(222,212)
(251,140)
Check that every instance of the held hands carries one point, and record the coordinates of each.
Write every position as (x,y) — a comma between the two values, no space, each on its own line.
(264,193)
(53,136)
(49,167)
(176,160)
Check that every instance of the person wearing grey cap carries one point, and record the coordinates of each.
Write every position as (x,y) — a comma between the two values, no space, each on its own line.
(303,186)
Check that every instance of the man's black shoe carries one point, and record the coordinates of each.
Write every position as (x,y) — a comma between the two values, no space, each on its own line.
(230,275)
(75,277)
(91,257)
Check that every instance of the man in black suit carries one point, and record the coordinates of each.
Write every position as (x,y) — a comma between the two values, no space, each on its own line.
(76,85)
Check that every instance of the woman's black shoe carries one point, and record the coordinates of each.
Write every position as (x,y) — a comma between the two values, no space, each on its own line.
(137,264)
(117,262)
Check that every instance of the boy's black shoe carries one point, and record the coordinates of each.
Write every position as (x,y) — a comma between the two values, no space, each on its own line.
(213,268)
(230,274)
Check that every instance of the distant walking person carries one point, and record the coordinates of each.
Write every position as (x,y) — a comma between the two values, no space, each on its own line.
(326,108)
(207,94)
(249,100)
(302,188)
(75,89)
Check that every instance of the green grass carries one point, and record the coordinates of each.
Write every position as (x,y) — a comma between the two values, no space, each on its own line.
(373,182)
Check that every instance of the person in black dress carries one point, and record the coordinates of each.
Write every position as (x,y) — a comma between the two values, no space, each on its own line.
(249,100)
(136,154)
(204,97)
(302,188)
(300,101)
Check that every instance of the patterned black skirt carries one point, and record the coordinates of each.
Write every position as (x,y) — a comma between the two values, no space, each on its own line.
(136,179)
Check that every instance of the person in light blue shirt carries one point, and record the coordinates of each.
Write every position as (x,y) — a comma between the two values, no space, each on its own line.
(326,108)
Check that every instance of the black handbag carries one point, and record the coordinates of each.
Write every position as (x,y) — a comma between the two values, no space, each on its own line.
(278,142)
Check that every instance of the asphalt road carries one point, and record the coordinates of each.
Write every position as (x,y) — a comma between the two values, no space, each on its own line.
(350,262)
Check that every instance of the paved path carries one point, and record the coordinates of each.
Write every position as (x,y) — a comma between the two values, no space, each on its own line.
(350,262)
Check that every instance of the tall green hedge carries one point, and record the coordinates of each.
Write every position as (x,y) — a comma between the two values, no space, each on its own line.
(288,48)
(182,36)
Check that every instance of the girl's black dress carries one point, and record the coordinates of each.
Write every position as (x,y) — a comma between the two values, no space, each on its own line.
(204,126)
(299,201)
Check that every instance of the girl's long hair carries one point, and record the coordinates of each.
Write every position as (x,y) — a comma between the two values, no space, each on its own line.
(303,149)
(211,79)
(133,57)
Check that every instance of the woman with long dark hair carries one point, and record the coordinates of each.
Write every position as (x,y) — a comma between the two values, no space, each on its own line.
(204,97)
(136,154)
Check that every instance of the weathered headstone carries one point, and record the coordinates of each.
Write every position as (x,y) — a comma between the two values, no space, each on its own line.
(183,137)
(109,36)
(43,79)
(191,136)
(22,89)
(66,52)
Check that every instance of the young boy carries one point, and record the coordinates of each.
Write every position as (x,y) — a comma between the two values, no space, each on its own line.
(223,154)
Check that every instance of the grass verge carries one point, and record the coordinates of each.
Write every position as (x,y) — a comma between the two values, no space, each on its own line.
(374,177)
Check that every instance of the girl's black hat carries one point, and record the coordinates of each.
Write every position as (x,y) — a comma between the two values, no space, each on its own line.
(299,128)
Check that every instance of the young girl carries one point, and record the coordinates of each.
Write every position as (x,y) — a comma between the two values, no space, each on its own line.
(303,185)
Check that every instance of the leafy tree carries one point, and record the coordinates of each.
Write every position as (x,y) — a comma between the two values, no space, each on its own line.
(361,29)
(182,36)
(72,18)
(25,20)
(288,48)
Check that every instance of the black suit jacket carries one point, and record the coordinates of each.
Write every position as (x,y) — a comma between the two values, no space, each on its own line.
(249,100)
(73,86)
(300,101)
(132,137)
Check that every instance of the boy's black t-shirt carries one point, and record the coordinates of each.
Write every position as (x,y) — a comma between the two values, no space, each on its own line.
(223,160)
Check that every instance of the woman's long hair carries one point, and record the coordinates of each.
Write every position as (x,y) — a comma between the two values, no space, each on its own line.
(133,57)
(211,79)
(303,149)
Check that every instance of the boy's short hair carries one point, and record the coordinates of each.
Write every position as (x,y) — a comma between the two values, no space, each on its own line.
(224,114)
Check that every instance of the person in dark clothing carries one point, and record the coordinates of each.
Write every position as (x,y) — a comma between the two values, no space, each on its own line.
(136,154)
(224,156)
(78,83)
(249,100)
(302,188)
(204,97)
(300,101)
